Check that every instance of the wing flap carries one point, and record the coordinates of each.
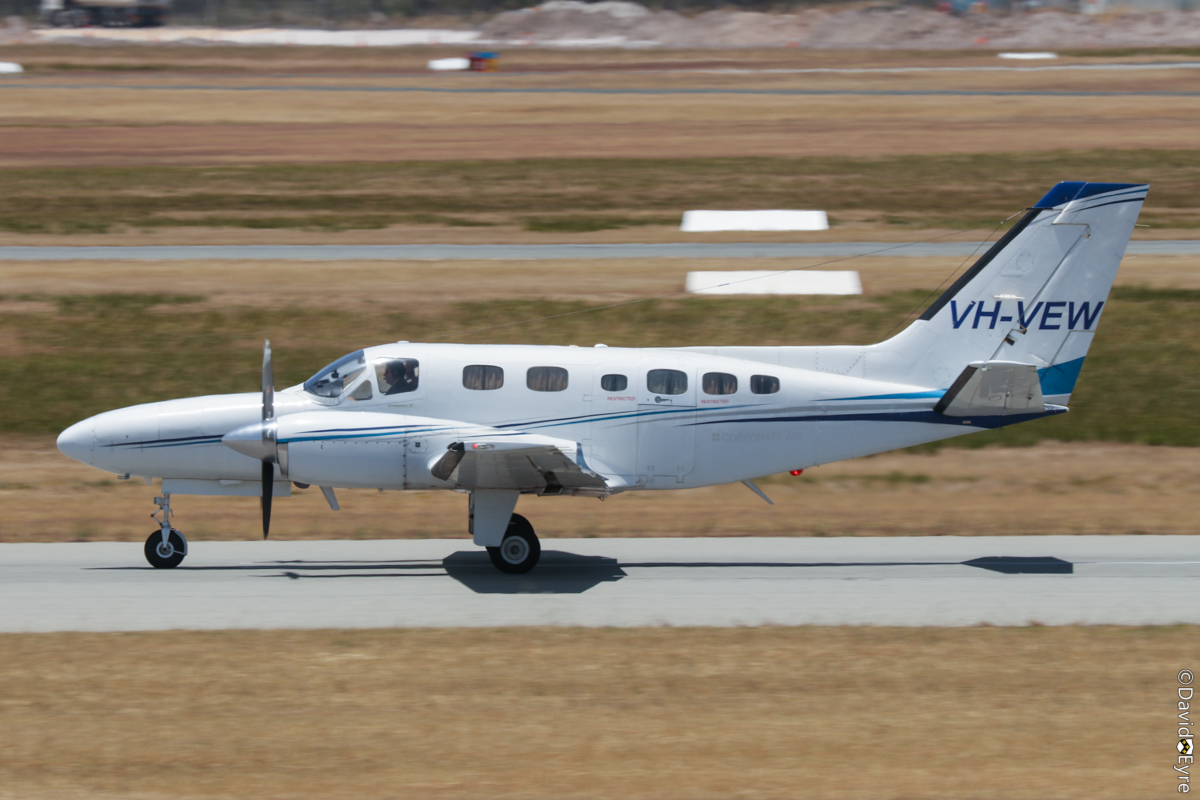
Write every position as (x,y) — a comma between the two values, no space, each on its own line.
(529,464)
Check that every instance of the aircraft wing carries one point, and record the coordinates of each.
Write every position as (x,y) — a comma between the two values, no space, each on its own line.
(528,463)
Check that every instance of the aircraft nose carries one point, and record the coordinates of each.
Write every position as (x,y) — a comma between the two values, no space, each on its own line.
(78,441)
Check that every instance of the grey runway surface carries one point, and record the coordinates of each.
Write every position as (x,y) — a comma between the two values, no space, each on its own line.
(532,252)
(953,581)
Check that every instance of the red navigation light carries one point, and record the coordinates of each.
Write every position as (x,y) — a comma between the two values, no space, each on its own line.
(797,471)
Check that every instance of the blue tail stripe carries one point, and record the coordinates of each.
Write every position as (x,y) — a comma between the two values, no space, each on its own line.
(1060,378)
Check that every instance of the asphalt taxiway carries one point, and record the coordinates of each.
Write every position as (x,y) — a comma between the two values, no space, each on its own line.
(906,581)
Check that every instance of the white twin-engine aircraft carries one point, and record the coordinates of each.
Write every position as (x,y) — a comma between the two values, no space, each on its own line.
(1003,345)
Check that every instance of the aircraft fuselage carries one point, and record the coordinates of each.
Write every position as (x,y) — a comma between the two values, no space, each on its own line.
(719,419)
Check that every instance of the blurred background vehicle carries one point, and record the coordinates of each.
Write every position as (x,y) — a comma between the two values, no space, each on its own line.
(105,13)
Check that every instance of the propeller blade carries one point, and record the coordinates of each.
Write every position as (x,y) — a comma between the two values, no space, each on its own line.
(268,383)
(268,413)
(268,489)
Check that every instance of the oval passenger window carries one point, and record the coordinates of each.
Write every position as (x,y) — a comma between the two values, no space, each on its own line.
(546,379)
(666,381)
(614,383)
(764,384)
(719,383)
(483,377)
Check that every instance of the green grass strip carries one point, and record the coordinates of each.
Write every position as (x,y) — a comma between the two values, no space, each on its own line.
(579,195)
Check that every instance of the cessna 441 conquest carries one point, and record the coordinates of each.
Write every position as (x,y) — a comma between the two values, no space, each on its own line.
(1003,345)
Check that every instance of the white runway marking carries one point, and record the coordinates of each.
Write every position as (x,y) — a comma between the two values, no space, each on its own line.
(955,581)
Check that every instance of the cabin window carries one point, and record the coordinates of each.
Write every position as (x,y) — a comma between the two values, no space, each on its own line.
(614,383)
(397,375)
(482,377)
(333,379)
(719,383)
(546,379)
(361,392)
(764,384)
(666,381)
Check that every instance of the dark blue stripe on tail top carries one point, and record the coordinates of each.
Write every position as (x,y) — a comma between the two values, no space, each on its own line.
(1067,191)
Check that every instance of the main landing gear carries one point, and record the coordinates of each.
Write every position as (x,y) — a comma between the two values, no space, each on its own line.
(166,547)
(520,550)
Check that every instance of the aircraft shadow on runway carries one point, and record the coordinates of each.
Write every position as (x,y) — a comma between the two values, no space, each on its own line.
(560,572)
(556,573)
(1009,565)
(1019,565)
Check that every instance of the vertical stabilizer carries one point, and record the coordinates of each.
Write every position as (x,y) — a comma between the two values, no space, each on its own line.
(1035,297)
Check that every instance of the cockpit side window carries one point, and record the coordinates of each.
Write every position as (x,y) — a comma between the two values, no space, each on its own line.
(333,379)
(397,375)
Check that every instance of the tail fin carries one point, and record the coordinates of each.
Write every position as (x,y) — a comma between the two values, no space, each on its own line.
(1035,297)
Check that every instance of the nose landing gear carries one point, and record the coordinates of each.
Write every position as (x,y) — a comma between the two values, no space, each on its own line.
(168,554)
(166,547)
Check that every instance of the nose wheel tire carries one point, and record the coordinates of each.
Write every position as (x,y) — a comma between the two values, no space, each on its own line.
(520,550)
(166,555)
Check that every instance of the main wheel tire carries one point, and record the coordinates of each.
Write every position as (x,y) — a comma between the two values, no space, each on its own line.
(520,550)
(166,556)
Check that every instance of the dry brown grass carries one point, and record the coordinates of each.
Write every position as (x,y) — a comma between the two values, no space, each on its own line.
(1052,488)
(282,284)
(111,128)
(850,227)
(195,106)
(547,713)
(240,60)
(72,117)
(428,284)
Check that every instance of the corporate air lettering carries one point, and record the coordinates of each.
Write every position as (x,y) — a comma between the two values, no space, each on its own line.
(1048,315)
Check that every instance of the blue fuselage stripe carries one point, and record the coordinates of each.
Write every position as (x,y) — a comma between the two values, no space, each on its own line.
(1052,384)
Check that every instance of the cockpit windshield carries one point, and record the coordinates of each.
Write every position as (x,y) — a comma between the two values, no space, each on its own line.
(333,379)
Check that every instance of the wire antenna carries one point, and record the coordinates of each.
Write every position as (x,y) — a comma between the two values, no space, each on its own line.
(948,277)
(732,283)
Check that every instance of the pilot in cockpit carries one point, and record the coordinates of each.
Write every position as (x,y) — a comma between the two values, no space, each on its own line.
(400,376)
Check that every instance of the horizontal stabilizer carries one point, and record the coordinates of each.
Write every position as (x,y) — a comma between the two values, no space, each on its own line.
(993,388)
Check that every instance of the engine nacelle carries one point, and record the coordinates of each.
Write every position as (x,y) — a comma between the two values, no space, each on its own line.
(364,449)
